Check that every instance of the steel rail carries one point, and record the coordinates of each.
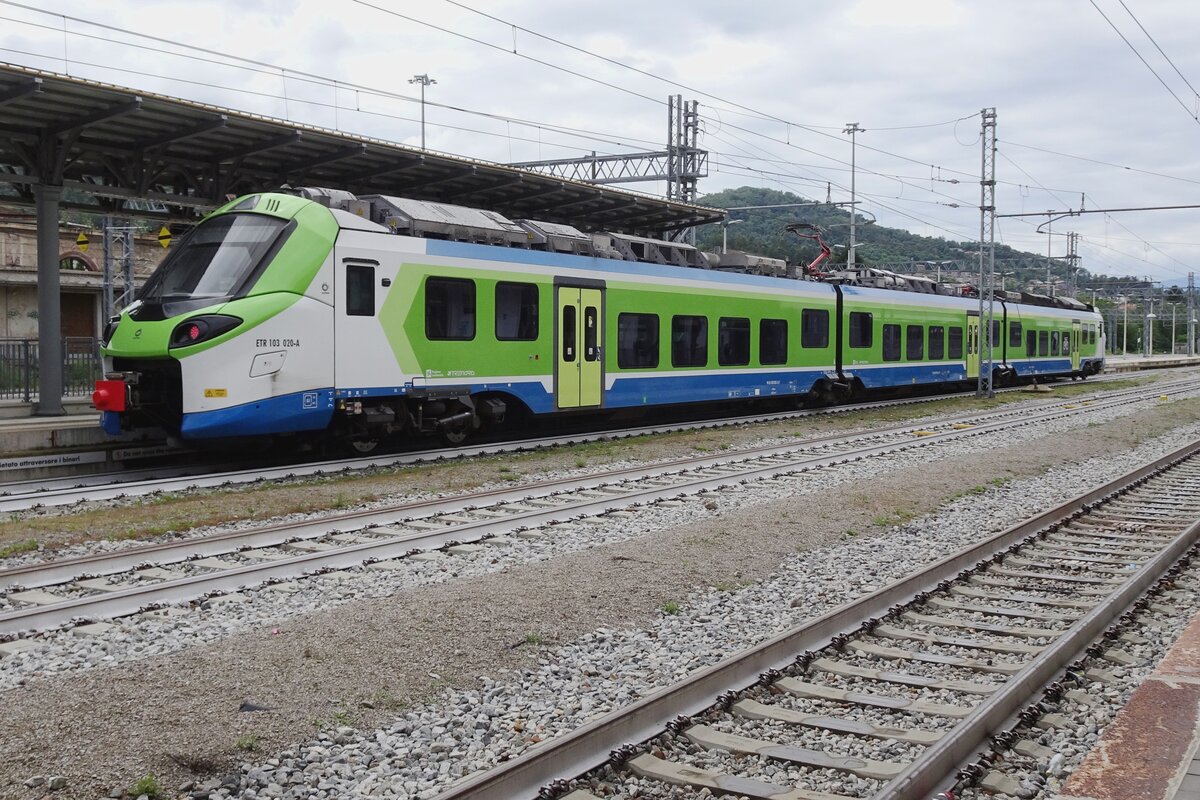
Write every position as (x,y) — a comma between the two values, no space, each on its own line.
(930,769)
(22,495)
(64,570)
(577,752)
(126,601)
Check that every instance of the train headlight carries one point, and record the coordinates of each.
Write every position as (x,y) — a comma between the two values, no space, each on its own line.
(110,328)
(200,329)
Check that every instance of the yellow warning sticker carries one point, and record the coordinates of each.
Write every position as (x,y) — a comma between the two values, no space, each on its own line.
(81,241)
(164,236)
(216,393)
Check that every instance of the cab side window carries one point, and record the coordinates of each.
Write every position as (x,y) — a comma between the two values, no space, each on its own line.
(360,290)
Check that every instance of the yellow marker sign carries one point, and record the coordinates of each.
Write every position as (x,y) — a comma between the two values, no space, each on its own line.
(81,241)
(216,393)
(164,236)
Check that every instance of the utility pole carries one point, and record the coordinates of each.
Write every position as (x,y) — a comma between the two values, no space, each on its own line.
(1125,326)
(987,245)
(1191,351)
(1049,246)
(852,128)
(1148,326)
(1072,261)
(423,80)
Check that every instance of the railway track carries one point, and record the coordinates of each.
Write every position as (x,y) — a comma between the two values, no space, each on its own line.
(23,495)
(61,593)
(893,695)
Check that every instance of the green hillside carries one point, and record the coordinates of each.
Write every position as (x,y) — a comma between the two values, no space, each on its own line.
(762,232)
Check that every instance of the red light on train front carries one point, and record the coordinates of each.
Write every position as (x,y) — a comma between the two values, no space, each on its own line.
(109,396)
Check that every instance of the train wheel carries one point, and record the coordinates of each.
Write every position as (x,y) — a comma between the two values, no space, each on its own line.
(364,447)
(455,437)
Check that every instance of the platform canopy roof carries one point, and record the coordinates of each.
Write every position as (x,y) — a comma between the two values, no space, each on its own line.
(123,146)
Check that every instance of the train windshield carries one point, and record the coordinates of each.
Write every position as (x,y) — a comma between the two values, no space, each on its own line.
(211,264)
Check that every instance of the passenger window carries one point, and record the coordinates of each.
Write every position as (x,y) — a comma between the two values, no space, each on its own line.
(860,329)
(772,341)
(1031,343)
(891,342)
(360,291)
(637,341)
(996,332)
(937,343)
(516,312)
(567,333)
(449,308)
(1053,343)
(1014,334)
(1043,343)
(689,341)
(914,345)
(733,341)
(955,344)
(814,328)
(590,351)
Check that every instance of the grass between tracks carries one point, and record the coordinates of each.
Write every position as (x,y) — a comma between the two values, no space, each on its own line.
(153,516)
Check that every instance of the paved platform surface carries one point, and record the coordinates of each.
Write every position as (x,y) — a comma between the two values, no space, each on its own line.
(1149,752)
(1134,363)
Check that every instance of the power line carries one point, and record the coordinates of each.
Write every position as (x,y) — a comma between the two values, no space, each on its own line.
(1144,61)
(1159,49)
(1101,162)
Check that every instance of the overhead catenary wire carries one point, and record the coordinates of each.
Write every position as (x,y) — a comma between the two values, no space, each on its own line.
(1142,58)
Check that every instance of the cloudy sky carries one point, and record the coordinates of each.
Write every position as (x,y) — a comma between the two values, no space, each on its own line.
(1080,117)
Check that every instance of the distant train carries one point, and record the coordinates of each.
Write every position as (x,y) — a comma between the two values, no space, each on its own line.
(363,318)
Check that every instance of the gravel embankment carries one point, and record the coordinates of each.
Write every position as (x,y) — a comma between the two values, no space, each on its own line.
(353,667)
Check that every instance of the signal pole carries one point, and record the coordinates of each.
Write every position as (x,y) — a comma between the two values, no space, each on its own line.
(851,128)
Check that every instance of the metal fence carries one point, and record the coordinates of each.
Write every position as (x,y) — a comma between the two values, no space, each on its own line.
(19,367)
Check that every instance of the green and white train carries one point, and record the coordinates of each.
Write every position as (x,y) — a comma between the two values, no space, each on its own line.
(360,318)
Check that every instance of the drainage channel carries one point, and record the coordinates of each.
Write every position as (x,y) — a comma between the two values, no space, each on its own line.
(64,593)
(889,696)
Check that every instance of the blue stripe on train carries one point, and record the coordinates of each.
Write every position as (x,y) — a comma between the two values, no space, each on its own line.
(668,388)
(300,411)
(1047,367)
(907,374)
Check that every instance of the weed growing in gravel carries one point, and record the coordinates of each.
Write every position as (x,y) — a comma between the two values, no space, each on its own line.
(998,482)
(580,463)
(670,607)
(27,546)
(385,700)
(247,743)
(849,533)
(343,717)
(195,763)
(534,638)
(147,785)
(503,469)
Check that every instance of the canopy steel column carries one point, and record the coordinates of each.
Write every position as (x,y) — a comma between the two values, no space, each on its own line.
(50,360)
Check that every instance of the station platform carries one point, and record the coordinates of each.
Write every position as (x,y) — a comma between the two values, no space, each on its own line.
(36,447)
(1135,363)
(1149,751)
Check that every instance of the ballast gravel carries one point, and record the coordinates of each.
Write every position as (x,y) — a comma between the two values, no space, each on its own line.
(415,754)
(425,750)
(157,634)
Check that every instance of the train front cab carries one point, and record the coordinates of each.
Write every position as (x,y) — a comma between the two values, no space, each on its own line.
(231,335)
